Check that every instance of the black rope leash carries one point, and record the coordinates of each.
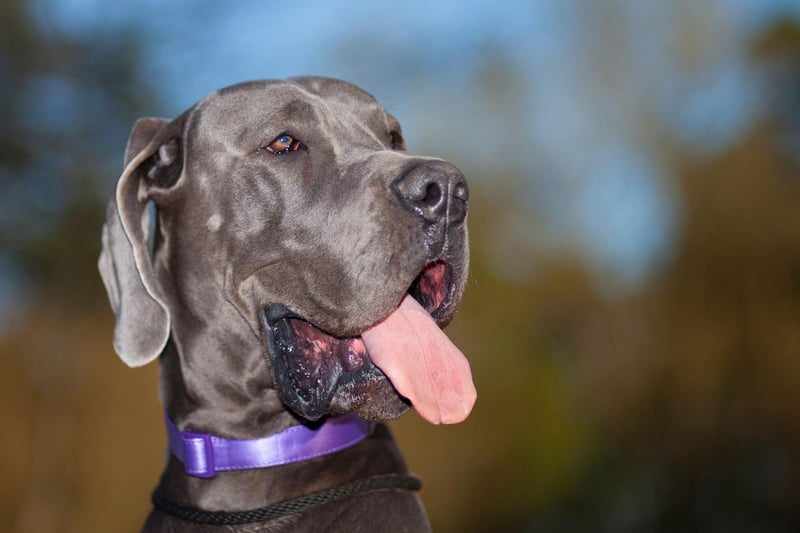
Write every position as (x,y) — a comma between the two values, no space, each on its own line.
(296,505)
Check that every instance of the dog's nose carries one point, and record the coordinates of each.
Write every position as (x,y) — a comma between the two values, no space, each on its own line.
(434,190)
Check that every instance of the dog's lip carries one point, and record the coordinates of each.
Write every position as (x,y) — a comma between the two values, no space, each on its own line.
(308,363)
(275,312)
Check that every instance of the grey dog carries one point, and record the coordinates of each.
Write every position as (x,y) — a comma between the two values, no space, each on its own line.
(290,264)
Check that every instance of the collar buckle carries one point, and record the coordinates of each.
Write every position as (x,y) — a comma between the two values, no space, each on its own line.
(198,454)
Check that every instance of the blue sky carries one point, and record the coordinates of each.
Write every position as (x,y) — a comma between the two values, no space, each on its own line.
(592,93)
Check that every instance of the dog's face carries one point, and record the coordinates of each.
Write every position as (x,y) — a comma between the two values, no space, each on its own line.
(292,207)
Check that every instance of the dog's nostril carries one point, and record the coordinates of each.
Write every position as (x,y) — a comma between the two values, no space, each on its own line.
(460,191)
(433,194)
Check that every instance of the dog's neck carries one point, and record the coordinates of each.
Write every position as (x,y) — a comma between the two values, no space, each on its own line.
(250,409)
(221,385)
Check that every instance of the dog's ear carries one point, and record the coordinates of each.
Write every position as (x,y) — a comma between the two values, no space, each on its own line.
(153,158)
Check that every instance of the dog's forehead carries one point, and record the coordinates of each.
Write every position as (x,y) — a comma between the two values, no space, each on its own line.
(247,109)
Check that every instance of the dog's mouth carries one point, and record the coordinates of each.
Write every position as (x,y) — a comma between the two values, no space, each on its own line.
(311,365)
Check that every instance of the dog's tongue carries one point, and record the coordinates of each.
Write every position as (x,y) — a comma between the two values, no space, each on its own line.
(422,363)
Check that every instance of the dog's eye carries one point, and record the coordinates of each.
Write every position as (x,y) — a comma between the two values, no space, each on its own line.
(396,141)
(283,144)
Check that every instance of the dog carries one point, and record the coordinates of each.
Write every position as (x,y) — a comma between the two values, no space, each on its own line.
(291,266)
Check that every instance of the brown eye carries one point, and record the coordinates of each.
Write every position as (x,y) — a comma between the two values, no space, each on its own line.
(283,144)
(396,141)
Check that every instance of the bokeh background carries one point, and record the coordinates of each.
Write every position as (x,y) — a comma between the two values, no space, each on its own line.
(633,311)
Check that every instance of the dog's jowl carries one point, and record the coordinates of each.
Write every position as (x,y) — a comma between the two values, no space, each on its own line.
(291,266)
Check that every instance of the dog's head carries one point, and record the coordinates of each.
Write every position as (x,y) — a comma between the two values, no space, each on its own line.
(293,207)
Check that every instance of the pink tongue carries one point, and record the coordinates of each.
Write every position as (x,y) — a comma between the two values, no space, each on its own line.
(422,363)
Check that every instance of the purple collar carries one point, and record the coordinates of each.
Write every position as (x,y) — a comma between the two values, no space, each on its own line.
(203,454)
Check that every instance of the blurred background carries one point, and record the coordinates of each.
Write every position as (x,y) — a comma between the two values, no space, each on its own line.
(633,311)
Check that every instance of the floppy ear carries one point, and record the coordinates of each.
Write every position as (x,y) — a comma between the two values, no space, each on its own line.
(152,158)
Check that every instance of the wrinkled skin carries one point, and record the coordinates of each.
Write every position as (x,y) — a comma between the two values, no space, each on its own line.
(325,239)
